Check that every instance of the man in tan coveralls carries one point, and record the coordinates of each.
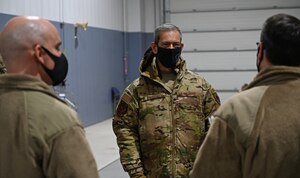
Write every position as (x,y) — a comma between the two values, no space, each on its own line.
(256,133)
(41,136)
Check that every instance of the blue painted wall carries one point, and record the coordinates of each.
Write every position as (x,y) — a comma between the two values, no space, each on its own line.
(3,19)
(95,66)
(96,63)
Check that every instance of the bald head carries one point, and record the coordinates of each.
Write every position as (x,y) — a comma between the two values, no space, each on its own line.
(22,33)
(27,46)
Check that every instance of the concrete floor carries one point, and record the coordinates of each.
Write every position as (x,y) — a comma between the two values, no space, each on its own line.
(106,152)
(113,170)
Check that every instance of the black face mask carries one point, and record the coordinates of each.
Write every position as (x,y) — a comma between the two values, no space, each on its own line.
(60,70)
(168,57)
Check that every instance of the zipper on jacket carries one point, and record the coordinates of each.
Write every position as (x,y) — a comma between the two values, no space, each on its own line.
(174,126)
(173,161)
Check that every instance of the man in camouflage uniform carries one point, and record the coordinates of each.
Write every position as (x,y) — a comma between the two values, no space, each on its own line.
(160,121)
(2,66)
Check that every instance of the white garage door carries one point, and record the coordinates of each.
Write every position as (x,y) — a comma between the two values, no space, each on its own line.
(220,36)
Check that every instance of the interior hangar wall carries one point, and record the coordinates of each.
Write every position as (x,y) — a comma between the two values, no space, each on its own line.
(220,37)
(106,55)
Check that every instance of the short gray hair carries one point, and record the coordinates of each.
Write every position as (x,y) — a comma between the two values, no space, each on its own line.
(164,28)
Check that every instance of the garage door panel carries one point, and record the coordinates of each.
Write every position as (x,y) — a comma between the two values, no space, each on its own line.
(220,41)
(228,80)
(226,20)
(224,60)
(180,5)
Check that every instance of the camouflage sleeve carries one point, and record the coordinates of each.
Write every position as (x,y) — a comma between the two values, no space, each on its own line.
(125,126)
(2,66)
(211,103)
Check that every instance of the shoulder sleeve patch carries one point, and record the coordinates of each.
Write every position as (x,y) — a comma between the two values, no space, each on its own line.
(122,108)
(126,98)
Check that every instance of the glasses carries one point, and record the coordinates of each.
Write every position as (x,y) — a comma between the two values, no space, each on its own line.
(170,44)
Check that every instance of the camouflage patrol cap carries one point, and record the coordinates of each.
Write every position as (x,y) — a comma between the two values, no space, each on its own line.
(2,66)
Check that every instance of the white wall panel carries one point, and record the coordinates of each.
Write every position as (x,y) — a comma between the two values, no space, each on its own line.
(104,14)
(219,41)
(138,15)
(212,26)
(141,15)
(184,5)
(226,19)
(221,60)
(45,9)
(225,96)
(133,13)
(151,10)
(228,80)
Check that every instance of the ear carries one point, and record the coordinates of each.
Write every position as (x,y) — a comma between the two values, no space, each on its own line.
(260,52)
(154,48)
(38,53)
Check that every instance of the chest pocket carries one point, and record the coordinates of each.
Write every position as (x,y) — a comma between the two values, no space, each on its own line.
(154,119)
(189,103)
(156,105)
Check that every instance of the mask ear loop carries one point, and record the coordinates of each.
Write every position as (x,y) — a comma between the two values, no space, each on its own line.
(61,61)
(262,53)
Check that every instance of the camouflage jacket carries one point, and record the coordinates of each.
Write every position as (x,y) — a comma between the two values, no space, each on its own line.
(2,66)
(159,130)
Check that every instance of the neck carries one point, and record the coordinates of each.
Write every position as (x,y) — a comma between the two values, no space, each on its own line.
(265,63)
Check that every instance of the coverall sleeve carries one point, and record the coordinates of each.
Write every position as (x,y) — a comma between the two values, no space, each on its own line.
(69,156)
(219,154)
(125,126)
